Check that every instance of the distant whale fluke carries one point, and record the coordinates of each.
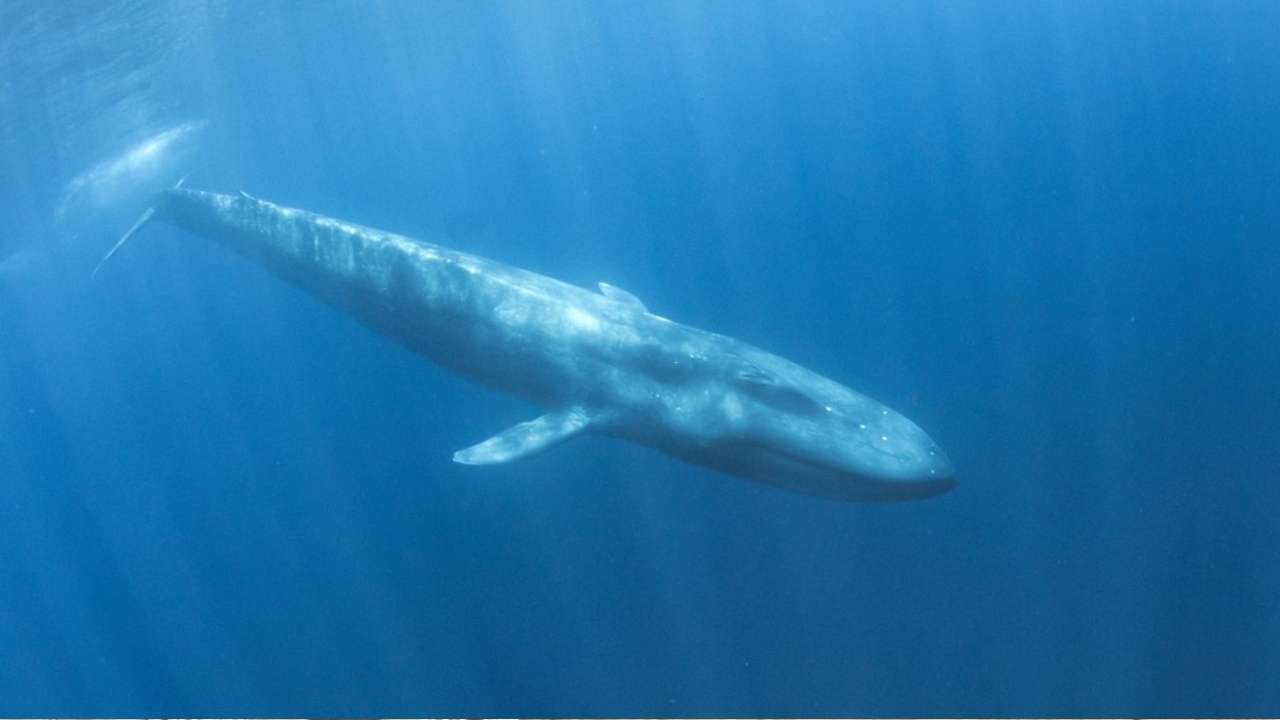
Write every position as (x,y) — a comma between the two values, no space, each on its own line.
(600,362)
(130,174)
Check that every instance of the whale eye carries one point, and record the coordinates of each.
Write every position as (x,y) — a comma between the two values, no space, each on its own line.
(771,390)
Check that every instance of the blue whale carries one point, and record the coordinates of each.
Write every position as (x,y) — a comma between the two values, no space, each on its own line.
(598,362)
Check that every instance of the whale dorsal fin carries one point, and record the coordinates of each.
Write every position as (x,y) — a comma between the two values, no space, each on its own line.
(526,439)
(619,295)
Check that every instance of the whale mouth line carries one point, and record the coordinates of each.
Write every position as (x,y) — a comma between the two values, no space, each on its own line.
(772,464)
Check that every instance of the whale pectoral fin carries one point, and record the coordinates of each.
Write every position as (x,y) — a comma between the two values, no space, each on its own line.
(526,439)
(617,294)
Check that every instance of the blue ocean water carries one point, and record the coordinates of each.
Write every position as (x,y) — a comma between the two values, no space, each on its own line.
(1044,231)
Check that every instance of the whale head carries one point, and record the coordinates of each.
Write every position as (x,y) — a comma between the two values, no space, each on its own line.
(772,421)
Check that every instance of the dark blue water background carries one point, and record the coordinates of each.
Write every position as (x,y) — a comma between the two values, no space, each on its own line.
(1045,231)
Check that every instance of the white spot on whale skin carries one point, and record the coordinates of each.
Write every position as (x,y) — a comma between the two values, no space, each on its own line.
(512,313)
(581,320)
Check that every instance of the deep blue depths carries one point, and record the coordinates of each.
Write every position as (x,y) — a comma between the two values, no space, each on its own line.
(1045,231)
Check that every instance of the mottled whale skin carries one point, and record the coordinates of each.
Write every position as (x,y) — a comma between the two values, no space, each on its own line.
(598,362)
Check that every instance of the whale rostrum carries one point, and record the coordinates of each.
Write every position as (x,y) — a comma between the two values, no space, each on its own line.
(599,362)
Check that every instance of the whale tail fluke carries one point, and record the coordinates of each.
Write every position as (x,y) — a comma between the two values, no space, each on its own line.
(146,218)
(142,222)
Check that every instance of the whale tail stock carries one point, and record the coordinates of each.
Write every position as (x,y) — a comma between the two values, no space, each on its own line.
(142,222)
